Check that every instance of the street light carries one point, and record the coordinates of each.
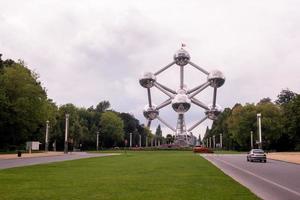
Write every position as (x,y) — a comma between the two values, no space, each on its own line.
(97,145)
(66,133)
(130,140)
(259,129)
(46,136)
(221,141)
(251,132)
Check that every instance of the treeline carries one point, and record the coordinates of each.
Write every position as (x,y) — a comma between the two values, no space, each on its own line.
(280,124)
(25,108)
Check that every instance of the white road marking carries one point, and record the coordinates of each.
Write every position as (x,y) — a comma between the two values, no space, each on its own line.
(252,174)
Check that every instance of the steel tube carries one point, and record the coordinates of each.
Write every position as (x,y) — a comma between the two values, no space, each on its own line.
(205,85)
(164,68)
(165,87)
(149,97)
(199,103)
(195,125)
(165,123)
(199,68)
(215,97)
(161,89)
(164,104)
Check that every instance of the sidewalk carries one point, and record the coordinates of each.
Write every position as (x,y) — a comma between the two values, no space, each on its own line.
(293,157)
(30,155)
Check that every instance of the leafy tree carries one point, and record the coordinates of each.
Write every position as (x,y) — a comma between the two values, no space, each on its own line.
(290,139)
(102,106)
(23,103)
(158,131)
(285,96)
(112,129)
(169,139)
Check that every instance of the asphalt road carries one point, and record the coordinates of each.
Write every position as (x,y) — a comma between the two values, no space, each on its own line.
(274,180)
(18,162)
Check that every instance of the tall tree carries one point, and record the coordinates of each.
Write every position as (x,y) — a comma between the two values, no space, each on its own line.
(112,129)
(285,96)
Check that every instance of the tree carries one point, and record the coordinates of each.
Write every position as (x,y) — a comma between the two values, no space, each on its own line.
(290,139)
(158,131)
(265,100)
(170,139)
(112,129)
(24,105)
(102,106)
(285,97)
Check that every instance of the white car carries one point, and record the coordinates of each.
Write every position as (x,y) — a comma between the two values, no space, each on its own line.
(256,155)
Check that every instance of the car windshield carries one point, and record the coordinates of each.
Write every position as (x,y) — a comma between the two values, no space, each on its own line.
(258,151)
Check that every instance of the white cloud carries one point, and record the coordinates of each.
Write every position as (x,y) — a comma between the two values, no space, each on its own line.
(89,51)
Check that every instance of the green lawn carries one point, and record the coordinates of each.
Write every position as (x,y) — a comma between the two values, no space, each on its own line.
(138,175)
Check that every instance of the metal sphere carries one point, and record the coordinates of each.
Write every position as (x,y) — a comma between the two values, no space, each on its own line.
(148,79)
(213,113)
(181,103)
(216,78)
(150,113)
(181,57)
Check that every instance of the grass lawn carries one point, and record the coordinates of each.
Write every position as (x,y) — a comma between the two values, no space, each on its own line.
(138,175)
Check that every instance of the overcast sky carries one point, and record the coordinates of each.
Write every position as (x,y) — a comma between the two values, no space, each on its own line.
(89,51)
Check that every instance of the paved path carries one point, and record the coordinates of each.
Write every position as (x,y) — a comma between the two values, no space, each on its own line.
(274,180)
(18,162)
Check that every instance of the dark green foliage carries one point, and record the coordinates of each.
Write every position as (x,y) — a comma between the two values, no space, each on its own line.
(24,106)
(280,124)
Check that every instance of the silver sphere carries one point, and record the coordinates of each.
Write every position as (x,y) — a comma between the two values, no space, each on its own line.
(181,102)
(148,79)
(150,113)
(213,113)
(216,78)
(181,57)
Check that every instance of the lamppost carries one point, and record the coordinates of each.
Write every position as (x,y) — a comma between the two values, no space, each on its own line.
(66,133)
(97,140)
(46,136)
(251,135)
(221,140)
(259,129)
(130,140)
(140,140)
(209,142)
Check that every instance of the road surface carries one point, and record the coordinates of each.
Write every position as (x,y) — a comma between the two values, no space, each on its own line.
(18,162)
(274,180)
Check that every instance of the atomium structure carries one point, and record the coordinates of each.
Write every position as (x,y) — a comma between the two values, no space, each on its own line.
(182,98)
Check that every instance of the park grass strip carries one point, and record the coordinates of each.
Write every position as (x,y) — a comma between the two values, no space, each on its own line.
(168,175)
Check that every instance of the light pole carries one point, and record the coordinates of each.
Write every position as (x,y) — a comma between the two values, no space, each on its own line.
(130,140)
(46,137)
(66,133)
(97,140)
(140,140)
(259,129)
(221,140)
(209,142)
(251,132)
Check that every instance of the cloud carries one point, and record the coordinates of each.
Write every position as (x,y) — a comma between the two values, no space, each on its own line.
(96,50)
